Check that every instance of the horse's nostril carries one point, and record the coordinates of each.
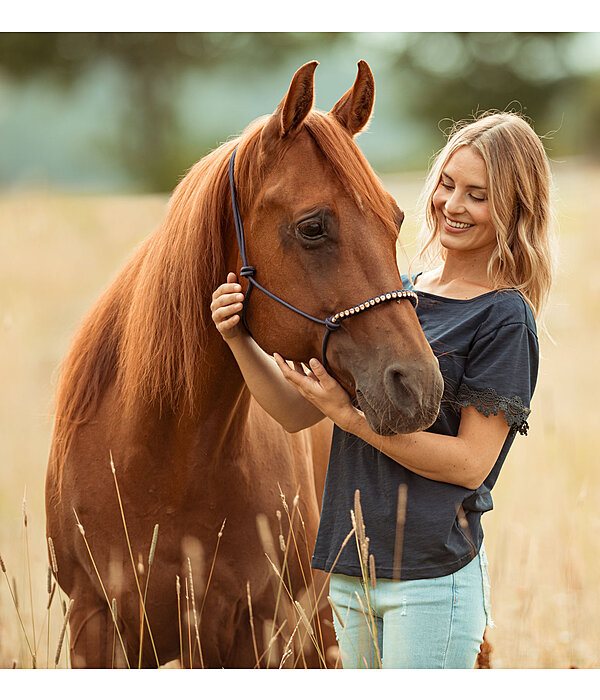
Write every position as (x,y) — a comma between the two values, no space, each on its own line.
(397,387)
(406,387)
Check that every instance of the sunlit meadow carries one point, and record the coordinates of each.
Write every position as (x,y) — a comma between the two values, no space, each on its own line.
(58,251)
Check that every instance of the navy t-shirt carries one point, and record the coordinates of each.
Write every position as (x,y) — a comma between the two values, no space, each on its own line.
(488,352)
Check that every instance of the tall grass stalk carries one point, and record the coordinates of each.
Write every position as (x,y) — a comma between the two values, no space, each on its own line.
(110,607)
(12,595)
(399,537)
(178,590)
(193,596)
(291,533)
(137,581)
(26,531)
(336,612)
(285,547)
(189,620)
(150,560)
(54,565)
(312,587)
(362,545)
(298,607)
(253,631)
(114,644)
(267,650)
(342,623)
(311,632)
(52,590)
(212,567)
(287,650)
(266,537)
(62,632)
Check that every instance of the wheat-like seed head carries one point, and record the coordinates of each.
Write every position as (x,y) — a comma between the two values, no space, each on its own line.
(51,596)
(222,528)
(153,545)
(372,575)
(360,529)
(63,630)
(52,556)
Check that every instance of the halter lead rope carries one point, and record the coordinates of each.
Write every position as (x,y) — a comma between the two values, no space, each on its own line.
(331,323)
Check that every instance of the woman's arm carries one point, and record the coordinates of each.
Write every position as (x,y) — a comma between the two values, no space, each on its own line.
(276,395)
(464,460)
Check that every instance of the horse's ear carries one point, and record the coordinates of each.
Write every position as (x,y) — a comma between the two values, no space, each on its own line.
(353,109)
(295,106)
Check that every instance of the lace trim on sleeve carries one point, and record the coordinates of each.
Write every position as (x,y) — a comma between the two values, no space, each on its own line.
(487,401)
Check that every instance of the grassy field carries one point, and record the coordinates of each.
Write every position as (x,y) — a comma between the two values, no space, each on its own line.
(57,252)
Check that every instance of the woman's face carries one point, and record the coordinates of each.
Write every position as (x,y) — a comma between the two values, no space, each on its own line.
(461,204)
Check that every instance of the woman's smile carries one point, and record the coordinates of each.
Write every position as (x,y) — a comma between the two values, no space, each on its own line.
(456,225)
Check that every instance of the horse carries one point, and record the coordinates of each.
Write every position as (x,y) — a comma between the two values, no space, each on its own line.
(166,481)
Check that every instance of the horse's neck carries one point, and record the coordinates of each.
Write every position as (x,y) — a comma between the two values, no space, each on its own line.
(223,398)
(220,382)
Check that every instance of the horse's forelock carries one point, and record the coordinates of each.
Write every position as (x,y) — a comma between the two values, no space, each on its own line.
(351,167)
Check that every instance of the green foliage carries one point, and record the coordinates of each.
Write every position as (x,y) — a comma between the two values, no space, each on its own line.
(452,76)
(441,77)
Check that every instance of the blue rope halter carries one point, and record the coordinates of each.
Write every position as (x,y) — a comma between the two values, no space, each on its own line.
(331,323)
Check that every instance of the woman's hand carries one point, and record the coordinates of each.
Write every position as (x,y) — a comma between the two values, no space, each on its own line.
(322,390)
(226,306)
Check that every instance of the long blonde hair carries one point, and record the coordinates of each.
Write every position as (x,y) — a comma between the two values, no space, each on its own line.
(519,182)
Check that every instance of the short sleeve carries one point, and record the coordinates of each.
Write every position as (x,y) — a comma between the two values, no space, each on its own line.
(500,374)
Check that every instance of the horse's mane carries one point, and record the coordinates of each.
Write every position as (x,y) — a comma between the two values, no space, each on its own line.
(148,330)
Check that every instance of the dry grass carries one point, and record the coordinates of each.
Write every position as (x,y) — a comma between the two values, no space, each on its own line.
(59,251)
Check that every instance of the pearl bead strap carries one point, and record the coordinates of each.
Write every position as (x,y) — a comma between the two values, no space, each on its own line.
(396,295)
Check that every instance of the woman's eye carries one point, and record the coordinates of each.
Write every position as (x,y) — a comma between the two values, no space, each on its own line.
(477,199)
(446,186)
(310,229)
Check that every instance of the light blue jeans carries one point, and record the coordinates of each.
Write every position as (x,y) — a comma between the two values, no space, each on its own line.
(427,623)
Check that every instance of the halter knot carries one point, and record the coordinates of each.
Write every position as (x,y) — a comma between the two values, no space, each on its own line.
(331,324)
(247,271)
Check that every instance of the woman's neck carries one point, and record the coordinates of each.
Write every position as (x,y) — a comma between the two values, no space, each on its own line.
(461,276)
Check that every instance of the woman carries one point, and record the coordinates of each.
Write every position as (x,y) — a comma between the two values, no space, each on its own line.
(486,204)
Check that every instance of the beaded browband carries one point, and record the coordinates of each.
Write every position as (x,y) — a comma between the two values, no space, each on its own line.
(331,323)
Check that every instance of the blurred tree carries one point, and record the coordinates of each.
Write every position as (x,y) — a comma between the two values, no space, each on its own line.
(442,75)
(149,144)
(451,76)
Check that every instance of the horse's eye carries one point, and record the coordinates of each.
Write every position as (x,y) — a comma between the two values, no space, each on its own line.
(310,229)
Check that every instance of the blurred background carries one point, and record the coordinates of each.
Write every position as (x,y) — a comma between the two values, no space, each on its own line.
(131,112)
(95,131)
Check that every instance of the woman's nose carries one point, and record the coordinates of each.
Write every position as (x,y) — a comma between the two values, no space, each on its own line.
(454,203)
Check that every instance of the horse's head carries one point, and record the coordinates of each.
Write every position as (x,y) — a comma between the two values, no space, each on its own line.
(321,232)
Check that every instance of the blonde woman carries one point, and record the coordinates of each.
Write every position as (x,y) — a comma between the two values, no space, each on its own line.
(486,220)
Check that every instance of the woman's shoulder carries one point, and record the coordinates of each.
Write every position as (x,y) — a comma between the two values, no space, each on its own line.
(496,307)
(507,306)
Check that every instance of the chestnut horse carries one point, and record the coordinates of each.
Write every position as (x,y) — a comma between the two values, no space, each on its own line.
(149,386)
